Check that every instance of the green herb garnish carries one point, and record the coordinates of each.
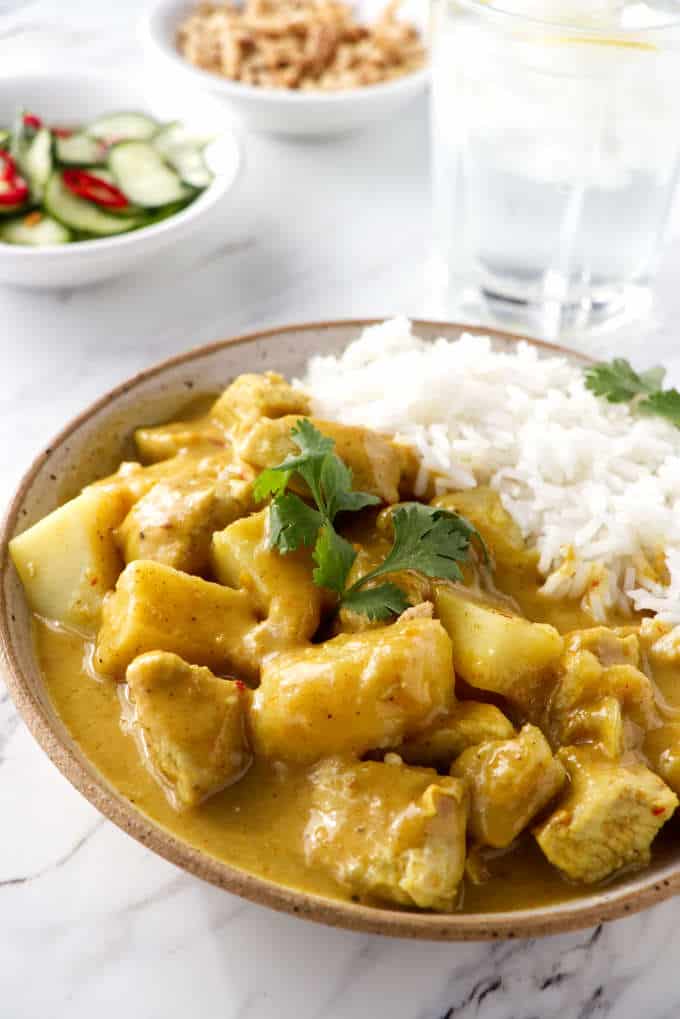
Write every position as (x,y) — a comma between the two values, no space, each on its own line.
(619,383)
(426,539)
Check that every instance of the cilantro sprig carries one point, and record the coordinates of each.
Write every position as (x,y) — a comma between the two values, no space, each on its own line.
(618,382)
(426,539)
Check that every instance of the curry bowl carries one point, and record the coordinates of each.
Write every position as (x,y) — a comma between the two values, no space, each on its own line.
(91,446)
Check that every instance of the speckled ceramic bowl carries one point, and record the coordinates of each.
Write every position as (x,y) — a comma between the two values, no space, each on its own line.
(90,446)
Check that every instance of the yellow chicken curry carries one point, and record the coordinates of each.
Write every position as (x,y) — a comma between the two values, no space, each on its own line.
(267,643)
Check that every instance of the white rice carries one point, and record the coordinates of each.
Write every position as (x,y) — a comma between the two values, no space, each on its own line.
(594,488)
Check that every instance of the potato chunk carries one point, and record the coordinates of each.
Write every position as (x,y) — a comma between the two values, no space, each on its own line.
(252,397)
(69,560)
(193,725)
(468,724)
(281,586)
(388,832)
(497,651)
(509,782)
(608,818)
(174,523)
(376,462)
(165,441)
(156,608)
(354,693)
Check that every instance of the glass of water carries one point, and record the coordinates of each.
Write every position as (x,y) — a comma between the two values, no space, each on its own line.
(556,148)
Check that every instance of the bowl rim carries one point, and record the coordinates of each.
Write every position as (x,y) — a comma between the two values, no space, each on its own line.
(152,32)
(599,907)
(205,200)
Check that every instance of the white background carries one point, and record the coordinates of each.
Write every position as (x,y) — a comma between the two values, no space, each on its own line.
(91,924)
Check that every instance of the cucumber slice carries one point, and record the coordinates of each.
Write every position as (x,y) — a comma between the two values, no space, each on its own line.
(45,231)
(143,176)
(184,153)
(79,214)
(123,126)
(80,150)
(5,138)
(177,136)
(191,166)
(36,162)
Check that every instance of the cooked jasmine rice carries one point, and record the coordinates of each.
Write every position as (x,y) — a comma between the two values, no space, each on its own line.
(594,487)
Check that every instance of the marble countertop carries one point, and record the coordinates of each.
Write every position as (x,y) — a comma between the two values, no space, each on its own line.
(90,922)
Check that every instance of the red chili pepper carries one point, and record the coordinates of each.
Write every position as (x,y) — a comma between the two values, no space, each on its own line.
(94,189)
(30,120)
(8,168)
(13,187)
(61,132)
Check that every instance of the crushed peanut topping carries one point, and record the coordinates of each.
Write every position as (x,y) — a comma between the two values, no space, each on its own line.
(299,44)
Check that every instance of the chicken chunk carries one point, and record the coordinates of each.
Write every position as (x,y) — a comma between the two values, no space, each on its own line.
(376,462)
(509,781)
(281,586)
(610,646)
(662,750)
(193,725)
(174,523)
(580,708)
(498,651)
(388,832)
(154,607)
(252,397)
(608,818)
(468,724)
(165,441)
(134,480)
(69,560)
(353,693)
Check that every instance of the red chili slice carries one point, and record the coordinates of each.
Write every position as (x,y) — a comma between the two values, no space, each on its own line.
(13,192)
(61,132)
(13,187)
(30,120)
(94,189)
(8,168)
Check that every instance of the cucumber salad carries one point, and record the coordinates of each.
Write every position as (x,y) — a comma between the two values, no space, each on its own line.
(121,172)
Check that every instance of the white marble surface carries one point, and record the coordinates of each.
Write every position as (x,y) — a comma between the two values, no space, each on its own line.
(90,922)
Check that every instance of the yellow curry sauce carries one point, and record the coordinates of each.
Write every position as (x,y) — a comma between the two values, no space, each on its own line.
(261,821)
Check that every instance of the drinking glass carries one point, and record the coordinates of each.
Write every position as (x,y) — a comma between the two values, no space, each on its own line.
(556,153)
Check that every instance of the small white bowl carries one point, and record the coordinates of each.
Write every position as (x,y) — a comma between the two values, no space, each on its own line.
(277,111)
(65,98)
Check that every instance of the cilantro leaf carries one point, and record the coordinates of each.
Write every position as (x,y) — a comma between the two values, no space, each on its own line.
(429,540)
(336,486)
(333,556)
(618,382)
(379,602)
(309,440)
(271,481)
(665,403)
(292,523)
